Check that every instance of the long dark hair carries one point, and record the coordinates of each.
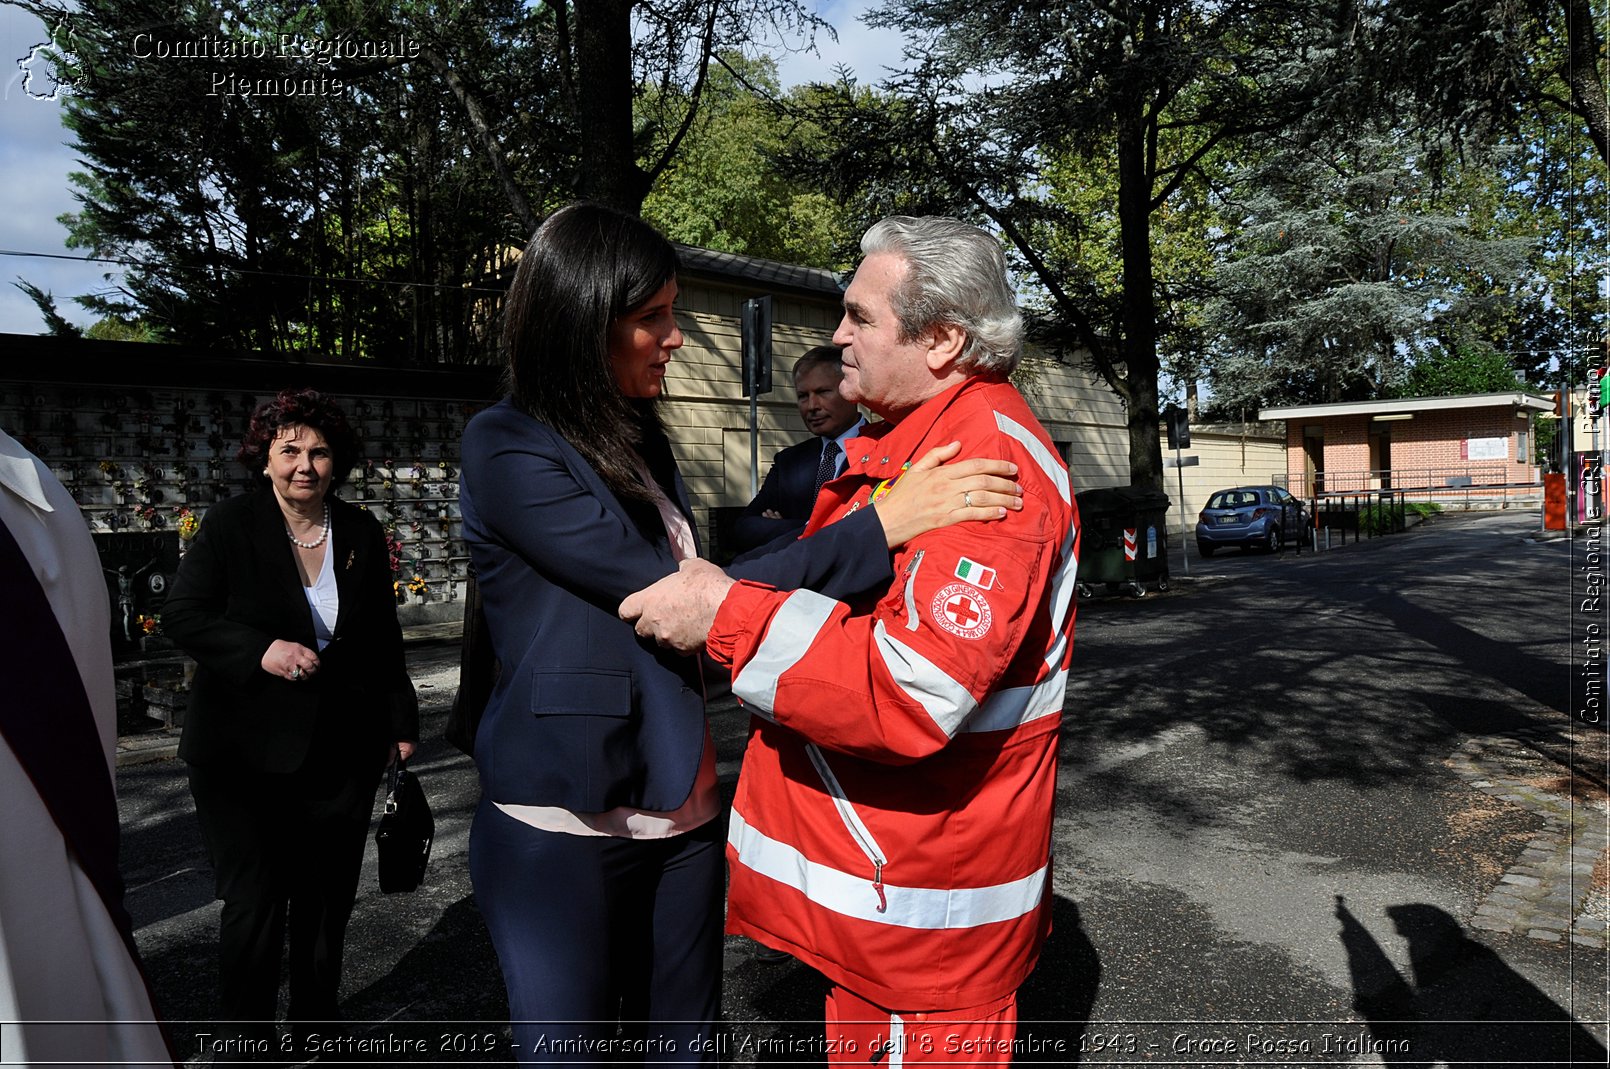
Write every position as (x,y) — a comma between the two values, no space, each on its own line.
(299,408)
(586,265)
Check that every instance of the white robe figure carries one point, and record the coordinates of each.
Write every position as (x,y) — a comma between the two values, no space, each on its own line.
(70,992)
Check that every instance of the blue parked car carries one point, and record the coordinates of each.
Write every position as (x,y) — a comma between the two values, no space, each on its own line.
(1250,516)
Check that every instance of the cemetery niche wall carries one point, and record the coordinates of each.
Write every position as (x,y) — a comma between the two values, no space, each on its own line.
(145,460)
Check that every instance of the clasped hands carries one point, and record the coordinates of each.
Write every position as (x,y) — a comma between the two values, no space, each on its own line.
(289,660)
(679,610)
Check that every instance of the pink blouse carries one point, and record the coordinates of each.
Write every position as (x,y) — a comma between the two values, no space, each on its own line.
(629,822)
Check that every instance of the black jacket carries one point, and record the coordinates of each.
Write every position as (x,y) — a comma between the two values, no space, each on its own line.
(789,490)
(236,592)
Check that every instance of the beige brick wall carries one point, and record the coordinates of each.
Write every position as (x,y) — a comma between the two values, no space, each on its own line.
(1228,456)
(708,416)
(1083,416)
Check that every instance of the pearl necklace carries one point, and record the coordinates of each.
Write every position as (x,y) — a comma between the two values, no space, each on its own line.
(316,543)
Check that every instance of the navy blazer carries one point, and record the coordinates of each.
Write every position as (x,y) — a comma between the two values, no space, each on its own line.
(237,591)
(789,490)
(585,715)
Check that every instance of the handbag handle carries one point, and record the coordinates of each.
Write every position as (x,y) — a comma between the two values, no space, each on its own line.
(394,776)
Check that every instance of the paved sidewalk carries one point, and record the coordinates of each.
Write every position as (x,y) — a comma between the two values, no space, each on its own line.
(1548,893)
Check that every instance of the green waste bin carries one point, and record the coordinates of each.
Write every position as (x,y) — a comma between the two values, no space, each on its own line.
(1124,539)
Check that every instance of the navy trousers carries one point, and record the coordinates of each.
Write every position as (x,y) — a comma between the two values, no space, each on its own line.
(603,940)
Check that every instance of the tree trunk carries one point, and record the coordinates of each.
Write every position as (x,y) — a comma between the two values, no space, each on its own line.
(609,171)
(1583,75)
(1139,302)
(489,141)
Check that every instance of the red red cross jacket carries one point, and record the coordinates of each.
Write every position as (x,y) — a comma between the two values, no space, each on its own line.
(892,825)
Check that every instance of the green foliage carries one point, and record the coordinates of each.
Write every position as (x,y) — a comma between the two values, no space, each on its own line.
(1547,187)
(1546,447)
(1377,519)
(725,190)
(1485,67)
(1087,134)
(1449,371)
(271,199)
(56,324)
(370,204)
(1528,76)
(111,328)
(1353,256)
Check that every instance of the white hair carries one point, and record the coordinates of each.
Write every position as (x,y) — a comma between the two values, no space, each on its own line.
(955,274)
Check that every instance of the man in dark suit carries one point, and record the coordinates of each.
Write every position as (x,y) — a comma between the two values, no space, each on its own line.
(798,472)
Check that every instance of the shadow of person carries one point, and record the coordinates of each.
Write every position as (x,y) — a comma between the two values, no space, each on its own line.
(415,1017)
(1054,1003)
(1463,1004)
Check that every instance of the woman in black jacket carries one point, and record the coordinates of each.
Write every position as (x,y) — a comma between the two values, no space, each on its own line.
(301,698)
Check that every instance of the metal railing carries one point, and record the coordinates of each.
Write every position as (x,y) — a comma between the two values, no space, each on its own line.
(1488,482)
(1367,514)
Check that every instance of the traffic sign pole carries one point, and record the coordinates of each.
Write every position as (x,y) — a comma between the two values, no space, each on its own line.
(1185,551)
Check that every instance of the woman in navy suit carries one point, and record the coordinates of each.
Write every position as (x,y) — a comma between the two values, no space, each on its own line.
(596,852)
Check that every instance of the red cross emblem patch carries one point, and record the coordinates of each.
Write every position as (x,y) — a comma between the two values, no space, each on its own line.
(961,610)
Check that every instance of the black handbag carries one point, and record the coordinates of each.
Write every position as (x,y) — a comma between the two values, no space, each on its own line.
(405,833)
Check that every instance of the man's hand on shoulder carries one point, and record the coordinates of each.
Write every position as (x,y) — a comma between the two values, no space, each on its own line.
(679,610)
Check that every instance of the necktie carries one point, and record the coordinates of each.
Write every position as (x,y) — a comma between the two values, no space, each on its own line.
(827,467)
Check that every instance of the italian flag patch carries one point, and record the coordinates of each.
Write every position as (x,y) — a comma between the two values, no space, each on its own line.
(971,571)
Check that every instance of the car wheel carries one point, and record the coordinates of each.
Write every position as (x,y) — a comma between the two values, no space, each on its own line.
(1271,538)
(1205,549)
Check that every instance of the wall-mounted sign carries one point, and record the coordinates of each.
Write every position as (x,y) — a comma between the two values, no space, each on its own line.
(1487,448)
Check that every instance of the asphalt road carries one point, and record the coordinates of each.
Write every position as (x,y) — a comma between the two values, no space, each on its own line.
(1266,851)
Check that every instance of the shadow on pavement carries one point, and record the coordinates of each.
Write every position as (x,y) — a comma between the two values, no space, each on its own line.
(446,988)
(1336,668)
(1506,662)
(1462,1005)
(1054,1004)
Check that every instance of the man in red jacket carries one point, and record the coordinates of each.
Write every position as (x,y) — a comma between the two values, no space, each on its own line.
(892,825)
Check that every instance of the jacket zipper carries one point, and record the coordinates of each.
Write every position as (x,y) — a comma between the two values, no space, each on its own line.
(911,590)
(852,821)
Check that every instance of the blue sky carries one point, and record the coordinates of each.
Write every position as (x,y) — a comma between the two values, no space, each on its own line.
(35,161)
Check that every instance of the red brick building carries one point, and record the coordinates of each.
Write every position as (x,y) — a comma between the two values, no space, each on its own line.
(1426,444)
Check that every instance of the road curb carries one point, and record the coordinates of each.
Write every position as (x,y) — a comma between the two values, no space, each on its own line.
(1542,895)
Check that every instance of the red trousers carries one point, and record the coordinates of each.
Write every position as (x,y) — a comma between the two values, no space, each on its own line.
(861,1033)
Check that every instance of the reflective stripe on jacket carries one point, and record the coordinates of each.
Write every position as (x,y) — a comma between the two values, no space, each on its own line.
(893,817)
